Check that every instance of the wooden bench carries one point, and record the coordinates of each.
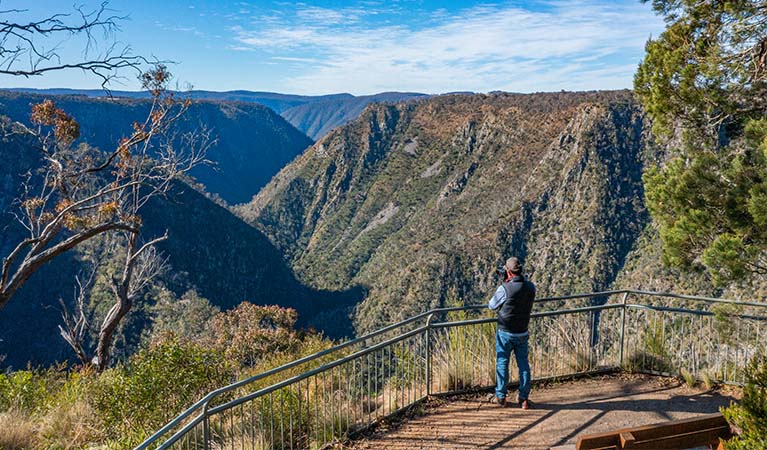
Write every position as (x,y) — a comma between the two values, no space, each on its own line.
(699,431)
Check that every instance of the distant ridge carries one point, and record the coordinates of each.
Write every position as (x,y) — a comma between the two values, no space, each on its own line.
(253,142)
(314,115)
(275,101)
(318,117)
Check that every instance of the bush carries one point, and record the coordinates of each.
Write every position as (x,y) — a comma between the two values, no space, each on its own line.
(249,332)
(23,391)
(186,317)
(159,382)
(689,378)
(66,409)
(47,409)
(749,417)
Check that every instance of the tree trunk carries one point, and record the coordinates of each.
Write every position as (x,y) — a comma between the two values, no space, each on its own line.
(121,307)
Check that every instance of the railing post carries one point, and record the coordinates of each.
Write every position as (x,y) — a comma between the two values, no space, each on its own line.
(205,427)
(623,329)
(428,354)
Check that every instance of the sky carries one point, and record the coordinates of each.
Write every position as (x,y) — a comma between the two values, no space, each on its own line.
(365,47)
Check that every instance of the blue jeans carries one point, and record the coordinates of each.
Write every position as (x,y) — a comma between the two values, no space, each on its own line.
(505,343)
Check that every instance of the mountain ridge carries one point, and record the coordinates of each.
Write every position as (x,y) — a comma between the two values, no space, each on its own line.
(255,143)
(313,115)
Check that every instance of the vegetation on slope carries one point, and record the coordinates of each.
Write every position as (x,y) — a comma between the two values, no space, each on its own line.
(419,201)
(704,83)
(119,408)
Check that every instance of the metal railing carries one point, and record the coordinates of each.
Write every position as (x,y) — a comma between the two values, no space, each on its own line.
(331,394)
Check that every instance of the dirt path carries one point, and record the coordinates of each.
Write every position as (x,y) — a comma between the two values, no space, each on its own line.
(562,412)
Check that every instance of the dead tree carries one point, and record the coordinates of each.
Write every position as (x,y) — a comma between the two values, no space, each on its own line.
(143,267)
(80,193)
(75,326)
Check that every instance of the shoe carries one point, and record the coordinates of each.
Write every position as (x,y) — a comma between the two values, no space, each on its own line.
(525,404)
(498,401)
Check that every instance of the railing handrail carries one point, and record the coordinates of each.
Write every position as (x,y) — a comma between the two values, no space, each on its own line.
(204,402)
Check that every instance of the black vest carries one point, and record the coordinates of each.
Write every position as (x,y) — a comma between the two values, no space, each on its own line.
(514,314)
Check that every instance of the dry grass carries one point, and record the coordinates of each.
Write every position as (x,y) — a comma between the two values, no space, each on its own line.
(66,426)
(708,380)
(69,426)
(17,432)
(689,378)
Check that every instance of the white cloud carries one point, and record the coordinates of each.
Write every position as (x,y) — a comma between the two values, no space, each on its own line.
(572,44)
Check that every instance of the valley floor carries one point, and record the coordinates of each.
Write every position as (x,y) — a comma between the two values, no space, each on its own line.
(562,412)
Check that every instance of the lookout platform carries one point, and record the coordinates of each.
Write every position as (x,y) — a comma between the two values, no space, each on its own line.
(561,413)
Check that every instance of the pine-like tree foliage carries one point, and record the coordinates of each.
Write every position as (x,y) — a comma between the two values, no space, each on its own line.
(704,83)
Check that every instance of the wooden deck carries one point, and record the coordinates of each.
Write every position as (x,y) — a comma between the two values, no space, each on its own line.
(562,412)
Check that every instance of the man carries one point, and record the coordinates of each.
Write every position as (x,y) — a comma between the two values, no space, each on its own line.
(513,301)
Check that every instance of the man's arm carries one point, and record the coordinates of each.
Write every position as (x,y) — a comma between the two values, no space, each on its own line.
(497,300)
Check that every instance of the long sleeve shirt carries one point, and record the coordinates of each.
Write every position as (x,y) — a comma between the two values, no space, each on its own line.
(498,298)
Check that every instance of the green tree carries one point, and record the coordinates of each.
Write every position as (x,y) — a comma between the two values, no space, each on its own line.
(703,82)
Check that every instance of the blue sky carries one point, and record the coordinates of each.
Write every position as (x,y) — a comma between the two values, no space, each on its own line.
(364,47)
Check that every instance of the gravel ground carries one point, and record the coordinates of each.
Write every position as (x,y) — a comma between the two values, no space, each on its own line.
(561,413)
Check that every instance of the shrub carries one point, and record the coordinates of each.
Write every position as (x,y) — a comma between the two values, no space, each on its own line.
(186,317)
(708,380)
(23,391)
(69,420)
(248,332)
(118,408)
(158,383)
(749,417)
(689,378)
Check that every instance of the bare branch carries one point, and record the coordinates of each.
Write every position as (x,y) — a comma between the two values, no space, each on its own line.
(83,193)
(149,264)
(75,326)
(148,245)
(8,261)
(22,55)
(32,264)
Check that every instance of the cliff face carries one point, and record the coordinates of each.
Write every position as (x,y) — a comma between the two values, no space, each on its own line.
(419,201)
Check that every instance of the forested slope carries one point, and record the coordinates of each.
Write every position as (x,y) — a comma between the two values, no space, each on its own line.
(418,202)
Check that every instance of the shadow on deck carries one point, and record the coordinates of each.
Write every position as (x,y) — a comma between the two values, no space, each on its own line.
(562,412)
